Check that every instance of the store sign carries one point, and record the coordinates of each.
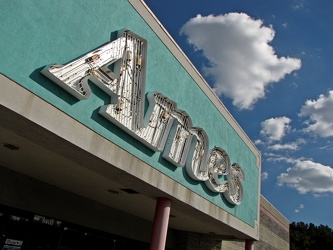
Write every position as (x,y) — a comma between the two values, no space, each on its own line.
(46,221)
(119,69)
(11,244)
(14,242)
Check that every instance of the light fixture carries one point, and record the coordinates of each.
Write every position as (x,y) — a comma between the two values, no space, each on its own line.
(129,191)
(112,191)
(10,146)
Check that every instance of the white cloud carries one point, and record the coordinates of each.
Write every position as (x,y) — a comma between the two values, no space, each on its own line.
(287,146)
(264,176)
(273,157)
(242,62)
(258,142)
(308,176)
(294,85)
(298,4)
(326,147)
(275,128)
(320,112)
(290,146)
(320,195)
(301,206)
(276,159)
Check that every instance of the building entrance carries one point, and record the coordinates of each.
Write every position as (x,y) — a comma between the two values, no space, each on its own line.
(21,230)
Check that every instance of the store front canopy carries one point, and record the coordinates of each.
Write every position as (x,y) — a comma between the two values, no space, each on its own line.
(42,142)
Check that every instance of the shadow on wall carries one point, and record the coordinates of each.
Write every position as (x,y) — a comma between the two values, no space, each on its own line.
(52,87)
(59,92)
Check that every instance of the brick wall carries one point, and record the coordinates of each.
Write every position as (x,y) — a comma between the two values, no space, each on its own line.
(196,241)
(273,231)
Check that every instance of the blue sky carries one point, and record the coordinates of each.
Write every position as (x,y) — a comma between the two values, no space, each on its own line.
(270,62)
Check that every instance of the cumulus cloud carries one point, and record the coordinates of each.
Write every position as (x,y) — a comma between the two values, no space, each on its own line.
(320,195)
(272,157)
(288,146)
(278,158)
(275,128)
(258,142)
(326,147)
(270,154)
(298,4)
(264,176)
(320,113)
(308,176)
(241,61)
(301,206)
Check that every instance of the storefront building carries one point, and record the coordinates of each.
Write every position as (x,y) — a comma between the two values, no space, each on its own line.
(273,231)
(111,139)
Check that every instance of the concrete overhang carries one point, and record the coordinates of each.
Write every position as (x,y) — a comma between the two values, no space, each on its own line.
(58,150)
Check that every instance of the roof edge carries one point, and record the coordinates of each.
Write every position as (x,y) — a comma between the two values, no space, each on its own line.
(142,8)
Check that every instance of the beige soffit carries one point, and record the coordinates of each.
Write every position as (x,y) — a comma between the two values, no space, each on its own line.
(23,102)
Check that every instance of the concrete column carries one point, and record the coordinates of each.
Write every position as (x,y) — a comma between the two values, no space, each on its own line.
(249,244)
(160,225)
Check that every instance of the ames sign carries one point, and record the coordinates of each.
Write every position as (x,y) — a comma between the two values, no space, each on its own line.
(119,69)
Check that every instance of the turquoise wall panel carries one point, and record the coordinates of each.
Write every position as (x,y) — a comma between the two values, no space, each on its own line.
(37,33)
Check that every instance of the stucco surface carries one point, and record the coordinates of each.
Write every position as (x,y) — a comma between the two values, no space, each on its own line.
(38,33)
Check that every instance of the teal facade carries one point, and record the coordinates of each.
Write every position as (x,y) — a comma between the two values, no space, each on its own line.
(38,33)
